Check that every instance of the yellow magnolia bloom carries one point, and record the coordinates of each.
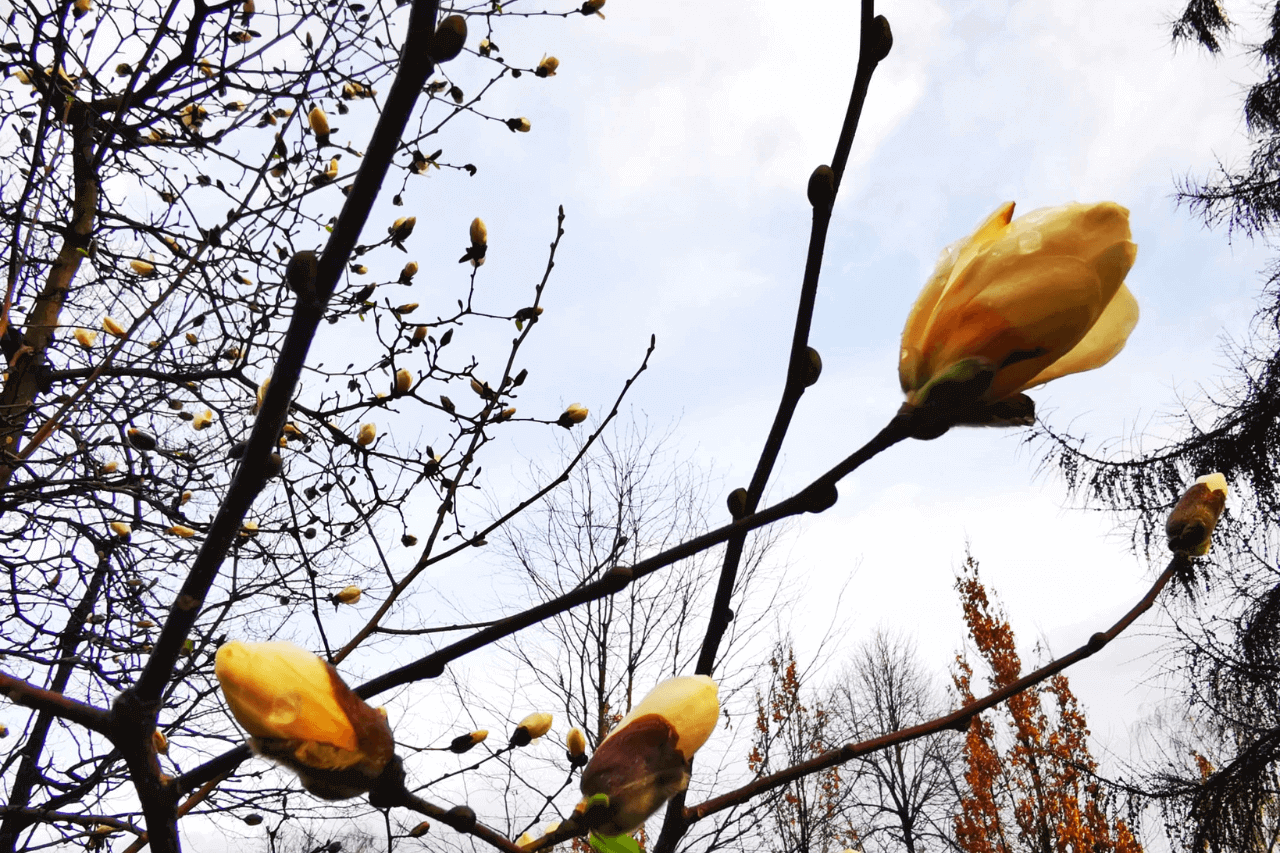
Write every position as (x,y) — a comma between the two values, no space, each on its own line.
(547,67)
(301,714)
(1190,525)
(479,233)
(404,380)
(645,760)
(1021,302)
(142,267)
(121,529)
(111,327)
(202,420)
(85,338)
(366,435)
(182,530)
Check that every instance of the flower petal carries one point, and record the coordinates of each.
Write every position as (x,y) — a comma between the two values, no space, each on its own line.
(922,312)
(1103,342)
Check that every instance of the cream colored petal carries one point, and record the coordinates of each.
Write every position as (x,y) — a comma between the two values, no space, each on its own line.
(1103,342)
(278,690)
(690,704)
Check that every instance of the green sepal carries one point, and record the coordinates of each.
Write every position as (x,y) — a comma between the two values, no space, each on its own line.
(613,843)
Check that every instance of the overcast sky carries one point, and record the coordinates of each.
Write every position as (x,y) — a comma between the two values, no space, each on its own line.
(679,137)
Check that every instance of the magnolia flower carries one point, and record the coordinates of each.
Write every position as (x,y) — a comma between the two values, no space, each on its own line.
(1190,525)
(142,267)
(85,338)
(645,760)
(202,420)
(121,529)
(366,435)
(159,742)
(301,714)
(111,327)
(409,271)
(547,67)
(1017,304)
(182,531)
(404,380)
(479,233)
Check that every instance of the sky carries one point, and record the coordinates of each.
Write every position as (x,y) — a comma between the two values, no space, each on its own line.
(679,138)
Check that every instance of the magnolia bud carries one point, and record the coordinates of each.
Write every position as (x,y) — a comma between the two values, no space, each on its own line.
(112,327)
(449,38)
(575,414)
(202,420)
(301,714)
(645,760)
(159,742)
(1190,526)
(86,338)
(463,743)
(533,726)
(182,531)
(319,125)
(822,188)
(521,124)
(547,67)
(402,228)
(348,595)
(121,529)
(301,274)
(404,380)
(366,435)
(140,439)
(479,233)
(576,747)
(419,830)
(142,268)
(409,271)
(262,394)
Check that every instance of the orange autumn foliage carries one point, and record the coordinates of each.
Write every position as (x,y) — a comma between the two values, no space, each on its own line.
(1034,790)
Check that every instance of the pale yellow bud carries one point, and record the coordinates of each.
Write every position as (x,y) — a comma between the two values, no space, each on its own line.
(547,67)
(1190,525)
(85,338)
(249,529)
(366,435)
(192,338)
(319,124)
(419,334)
(142,267)
(402,227)
(186,496)
(112,327)
(404,379)
(121,529)
(479,233)
(576,742)
(530,728)
(409,271)
(182,530)
(348,595)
